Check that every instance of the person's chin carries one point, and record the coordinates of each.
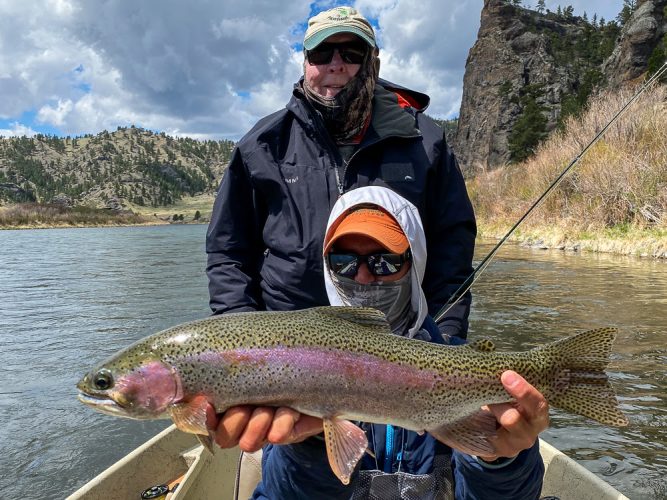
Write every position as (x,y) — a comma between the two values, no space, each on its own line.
(332,91)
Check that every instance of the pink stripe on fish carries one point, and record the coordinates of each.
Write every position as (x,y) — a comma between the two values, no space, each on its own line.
(327,362)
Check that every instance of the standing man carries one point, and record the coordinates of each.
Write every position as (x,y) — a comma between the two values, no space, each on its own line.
(342,129)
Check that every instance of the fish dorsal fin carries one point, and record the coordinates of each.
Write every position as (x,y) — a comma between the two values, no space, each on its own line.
(482,345)
(346,444)
(366,316)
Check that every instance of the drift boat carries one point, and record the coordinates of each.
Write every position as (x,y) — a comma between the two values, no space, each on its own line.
(174,466)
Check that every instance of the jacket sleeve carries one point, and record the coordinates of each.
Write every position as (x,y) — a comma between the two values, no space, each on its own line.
(519,480)
(234,242)
(300,471)
(450,231)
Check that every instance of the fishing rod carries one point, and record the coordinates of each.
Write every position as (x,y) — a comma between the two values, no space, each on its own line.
(472,278)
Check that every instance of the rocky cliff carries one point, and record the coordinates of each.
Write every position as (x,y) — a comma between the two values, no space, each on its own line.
(528,69)
(641,36)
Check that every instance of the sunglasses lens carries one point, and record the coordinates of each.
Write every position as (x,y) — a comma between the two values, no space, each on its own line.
(343,264)
(379,264)
(350,53)
(385,264)
(320,55)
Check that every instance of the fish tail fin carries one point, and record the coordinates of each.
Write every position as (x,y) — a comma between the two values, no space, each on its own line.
(583,386)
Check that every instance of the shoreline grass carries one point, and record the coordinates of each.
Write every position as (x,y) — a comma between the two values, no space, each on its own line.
(620,241)
(47,216)
(614,200)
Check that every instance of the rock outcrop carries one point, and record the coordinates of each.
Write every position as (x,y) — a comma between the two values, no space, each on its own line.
(512,52)
(644,31)
(557,58)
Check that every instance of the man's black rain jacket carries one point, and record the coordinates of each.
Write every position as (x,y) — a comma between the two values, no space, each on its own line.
(264,241)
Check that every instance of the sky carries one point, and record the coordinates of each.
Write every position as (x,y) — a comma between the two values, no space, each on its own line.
(209,69)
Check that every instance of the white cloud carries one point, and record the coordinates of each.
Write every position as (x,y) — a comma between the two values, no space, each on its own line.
(17,129)
(208,68)
(55,114)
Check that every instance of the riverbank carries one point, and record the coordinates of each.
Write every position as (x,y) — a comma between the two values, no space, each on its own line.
(189,210)
(645,243)
(621,240)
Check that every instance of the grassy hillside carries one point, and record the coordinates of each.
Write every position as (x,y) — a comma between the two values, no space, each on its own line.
(127,168)
(615,198)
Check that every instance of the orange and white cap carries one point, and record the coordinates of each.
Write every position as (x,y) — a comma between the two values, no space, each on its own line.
(373,223)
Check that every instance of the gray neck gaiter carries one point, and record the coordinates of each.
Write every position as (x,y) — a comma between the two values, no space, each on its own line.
(394,299)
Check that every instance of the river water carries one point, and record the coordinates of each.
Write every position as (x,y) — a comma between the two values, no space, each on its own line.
(71,297)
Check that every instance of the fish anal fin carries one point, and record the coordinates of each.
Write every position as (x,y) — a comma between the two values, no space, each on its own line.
(472,434)
(190,416)
(346,444)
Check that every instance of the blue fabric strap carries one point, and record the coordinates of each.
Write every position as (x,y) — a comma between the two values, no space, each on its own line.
(388,448)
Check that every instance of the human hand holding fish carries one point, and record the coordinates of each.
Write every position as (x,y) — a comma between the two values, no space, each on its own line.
(520,422)
(251,427)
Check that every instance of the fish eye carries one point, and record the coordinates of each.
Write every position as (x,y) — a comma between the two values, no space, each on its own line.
(103,380)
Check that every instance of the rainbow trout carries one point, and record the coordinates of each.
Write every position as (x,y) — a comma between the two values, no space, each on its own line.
(343,364)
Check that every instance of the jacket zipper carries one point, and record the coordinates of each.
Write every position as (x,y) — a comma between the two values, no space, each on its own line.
(332,158)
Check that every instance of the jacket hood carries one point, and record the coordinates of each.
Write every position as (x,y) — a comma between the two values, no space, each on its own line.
(407,216)
(417,100)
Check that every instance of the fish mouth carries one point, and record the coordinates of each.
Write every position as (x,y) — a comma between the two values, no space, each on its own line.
(103,404)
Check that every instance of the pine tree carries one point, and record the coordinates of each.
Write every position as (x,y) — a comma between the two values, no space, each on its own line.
(629,6)
(541,6)
(528,131)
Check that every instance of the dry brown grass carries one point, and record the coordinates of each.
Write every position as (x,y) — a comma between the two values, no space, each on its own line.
(617,191)
(37,215)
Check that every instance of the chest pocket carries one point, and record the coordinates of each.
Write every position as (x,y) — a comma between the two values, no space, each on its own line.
(304,183)
(397,172)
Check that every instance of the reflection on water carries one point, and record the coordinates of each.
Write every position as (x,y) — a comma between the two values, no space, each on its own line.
(529,297)
(71,297)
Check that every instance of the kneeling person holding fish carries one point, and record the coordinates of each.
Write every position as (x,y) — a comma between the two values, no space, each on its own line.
(375,256)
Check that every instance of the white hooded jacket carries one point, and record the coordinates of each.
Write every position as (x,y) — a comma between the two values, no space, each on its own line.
(407,216)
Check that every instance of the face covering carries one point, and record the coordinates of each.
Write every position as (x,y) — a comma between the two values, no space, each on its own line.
(394,299)
(346,113)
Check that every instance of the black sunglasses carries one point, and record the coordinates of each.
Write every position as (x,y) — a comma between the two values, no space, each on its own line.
(350,52)
(379,264)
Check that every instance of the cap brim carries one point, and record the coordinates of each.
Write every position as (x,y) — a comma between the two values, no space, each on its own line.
(317,38)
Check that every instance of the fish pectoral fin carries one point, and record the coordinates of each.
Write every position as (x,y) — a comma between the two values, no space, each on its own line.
(346,444)
(191,416)
(472,434)
(206,442)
